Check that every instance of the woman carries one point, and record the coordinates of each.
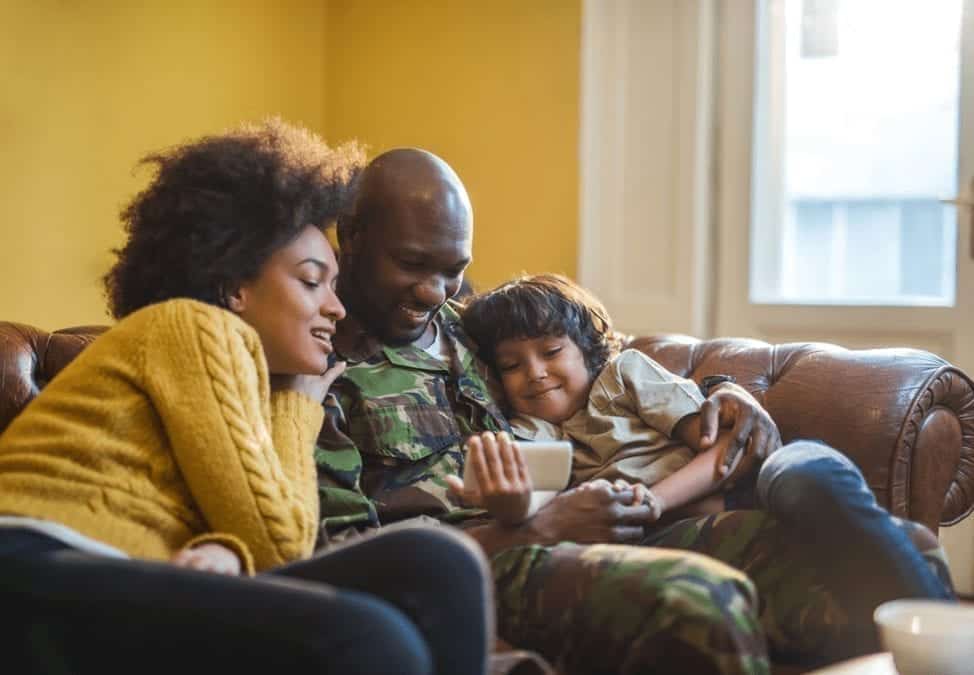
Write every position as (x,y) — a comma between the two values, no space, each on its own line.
(180,444)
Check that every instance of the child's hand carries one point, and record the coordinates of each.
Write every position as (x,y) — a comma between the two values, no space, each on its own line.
(505,485)
(210,557)
(642,495)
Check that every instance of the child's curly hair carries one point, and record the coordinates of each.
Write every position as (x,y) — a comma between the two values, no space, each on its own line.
(220,206)
(535,306)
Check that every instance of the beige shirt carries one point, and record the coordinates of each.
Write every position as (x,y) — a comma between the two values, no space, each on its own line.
(624,431)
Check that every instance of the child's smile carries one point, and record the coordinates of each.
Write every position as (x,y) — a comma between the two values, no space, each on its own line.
(545,377)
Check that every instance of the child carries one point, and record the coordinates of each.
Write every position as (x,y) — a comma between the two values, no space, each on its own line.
(630,420)
(552,345)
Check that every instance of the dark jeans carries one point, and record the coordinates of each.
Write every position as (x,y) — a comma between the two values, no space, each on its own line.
(821,552)
(824,496)
(412,601)
(861,553)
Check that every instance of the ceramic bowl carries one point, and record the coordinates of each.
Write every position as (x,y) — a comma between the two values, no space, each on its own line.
(928,636)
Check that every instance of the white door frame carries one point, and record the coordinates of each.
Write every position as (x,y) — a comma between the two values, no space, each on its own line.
(646,168)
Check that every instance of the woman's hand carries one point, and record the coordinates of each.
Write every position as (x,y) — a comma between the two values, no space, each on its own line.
(312,386)
(210,557)
(502,476)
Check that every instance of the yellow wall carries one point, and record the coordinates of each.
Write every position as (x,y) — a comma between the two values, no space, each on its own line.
(491,86)
(87,88)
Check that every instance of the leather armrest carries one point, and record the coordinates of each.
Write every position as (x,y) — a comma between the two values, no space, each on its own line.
(904,416)
(30,357)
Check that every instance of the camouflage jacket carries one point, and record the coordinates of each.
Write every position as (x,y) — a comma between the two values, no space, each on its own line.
(396,425)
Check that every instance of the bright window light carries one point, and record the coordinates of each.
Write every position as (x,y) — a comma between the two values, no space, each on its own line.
(855,147)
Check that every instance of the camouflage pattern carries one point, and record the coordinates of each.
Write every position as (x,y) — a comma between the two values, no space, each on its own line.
(664,612)
(343,506)
(626,610)
(802,620)
(408,417)
(590,609)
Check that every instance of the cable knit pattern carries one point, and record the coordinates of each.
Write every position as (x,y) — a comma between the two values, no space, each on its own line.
(285,414)
(264,475)
(163,432)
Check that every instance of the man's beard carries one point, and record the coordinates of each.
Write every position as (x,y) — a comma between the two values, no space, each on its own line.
(375,319)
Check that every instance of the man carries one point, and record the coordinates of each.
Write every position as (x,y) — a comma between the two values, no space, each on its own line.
(414,390)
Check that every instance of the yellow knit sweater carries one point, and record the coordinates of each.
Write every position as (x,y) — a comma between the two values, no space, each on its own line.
(163,433)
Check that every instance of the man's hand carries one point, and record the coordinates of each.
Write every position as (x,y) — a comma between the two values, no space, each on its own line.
(502,476)
(593,513)
(753,434)
(210,557)
(730,463)
(640,495)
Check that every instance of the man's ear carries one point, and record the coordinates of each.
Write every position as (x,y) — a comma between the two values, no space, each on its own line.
(349,235)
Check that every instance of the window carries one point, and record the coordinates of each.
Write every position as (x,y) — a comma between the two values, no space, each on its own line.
(856,133)
(871,249)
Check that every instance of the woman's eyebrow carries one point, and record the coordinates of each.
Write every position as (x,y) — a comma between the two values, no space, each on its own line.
(321,264)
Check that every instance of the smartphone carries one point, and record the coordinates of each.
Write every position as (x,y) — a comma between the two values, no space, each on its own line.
(549,465)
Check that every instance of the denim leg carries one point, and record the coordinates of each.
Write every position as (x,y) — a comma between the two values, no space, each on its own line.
(822,494)
(436,576)
(69,612)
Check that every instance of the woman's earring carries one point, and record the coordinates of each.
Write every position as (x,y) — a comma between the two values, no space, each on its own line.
(232,301)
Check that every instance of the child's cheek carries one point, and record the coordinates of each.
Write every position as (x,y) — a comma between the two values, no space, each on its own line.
(511,394)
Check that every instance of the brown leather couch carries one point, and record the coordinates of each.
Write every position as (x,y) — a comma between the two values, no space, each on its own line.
(906,417)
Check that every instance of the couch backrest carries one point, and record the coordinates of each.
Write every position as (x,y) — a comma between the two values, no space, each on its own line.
(905,416)
(30,357)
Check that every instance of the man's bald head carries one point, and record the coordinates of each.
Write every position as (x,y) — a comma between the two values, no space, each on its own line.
(405,242)
(406,179)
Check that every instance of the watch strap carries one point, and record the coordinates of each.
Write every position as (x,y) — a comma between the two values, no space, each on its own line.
(711,381)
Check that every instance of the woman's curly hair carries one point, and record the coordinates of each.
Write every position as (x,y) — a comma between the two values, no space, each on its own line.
(536,306)
(220,206)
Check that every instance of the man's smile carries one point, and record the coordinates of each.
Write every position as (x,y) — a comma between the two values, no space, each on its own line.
(415,316)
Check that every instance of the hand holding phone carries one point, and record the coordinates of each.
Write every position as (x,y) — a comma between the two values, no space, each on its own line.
(503,475)
(495,477)
(548,464)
